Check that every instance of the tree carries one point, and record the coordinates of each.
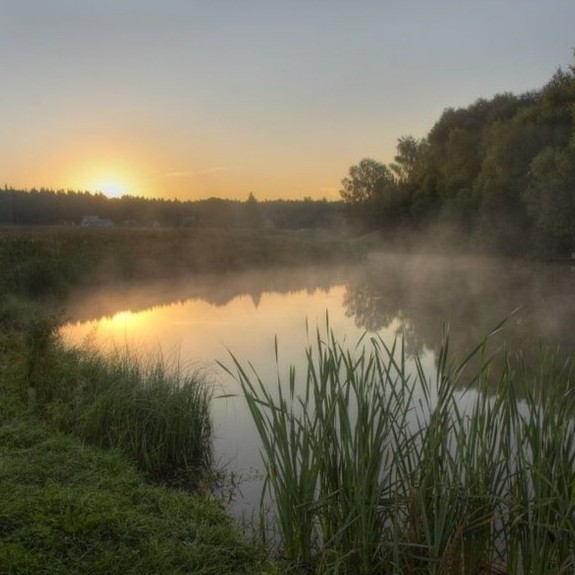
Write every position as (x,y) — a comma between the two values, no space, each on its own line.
(364,181)
(252,216)
(407,158)
(550,196)
(374,196)
(364,189)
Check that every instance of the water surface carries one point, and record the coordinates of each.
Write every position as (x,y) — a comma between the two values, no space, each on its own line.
(201,319)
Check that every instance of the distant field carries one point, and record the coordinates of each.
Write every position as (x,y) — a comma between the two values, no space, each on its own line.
(48,260)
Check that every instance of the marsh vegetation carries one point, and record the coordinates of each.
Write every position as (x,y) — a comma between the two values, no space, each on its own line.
(389,454)
(375,467)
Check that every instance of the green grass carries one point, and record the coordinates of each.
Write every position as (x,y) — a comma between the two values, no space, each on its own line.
(66,507)
(156,413)
(374,467)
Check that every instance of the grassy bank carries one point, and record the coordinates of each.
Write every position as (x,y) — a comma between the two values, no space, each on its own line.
(374,467)
(69,506)
(157,414)
(66,507)
(48,261)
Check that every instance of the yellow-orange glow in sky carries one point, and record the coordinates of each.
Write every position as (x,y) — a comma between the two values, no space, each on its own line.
(188,100)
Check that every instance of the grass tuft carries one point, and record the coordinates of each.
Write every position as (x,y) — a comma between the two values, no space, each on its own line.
(156,413)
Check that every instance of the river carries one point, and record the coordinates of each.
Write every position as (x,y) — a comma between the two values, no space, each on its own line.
(200,320)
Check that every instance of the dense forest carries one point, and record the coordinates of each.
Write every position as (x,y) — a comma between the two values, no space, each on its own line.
(500,173)
(68,207)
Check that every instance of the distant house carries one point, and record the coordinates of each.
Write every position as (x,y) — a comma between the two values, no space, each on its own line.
(96,222)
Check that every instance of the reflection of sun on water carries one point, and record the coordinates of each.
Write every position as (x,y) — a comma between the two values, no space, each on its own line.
(122,329)
(134,331)
(124,319)
(126,323)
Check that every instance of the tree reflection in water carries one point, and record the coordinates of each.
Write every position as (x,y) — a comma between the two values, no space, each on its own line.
(416,294)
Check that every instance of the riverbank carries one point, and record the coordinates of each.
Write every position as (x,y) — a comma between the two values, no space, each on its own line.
(69,507)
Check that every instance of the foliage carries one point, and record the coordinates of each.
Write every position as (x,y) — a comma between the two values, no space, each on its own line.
(407,159)
(374,468)
(500,170)
(68,207)
(550,195)
(372,194)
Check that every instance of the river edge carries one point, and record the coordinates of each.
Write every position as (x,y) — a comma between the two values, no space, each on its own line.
(68,507)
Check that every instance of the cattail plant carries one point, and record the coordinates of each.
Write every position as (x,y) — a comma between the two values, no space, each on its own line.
(375,466)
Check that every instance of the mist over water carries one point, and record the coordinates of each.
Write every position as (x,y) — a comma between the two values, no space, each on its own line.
(201,319)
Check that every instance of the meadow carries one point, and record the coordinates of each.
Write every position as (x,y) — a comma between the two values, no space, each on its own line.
(48,261)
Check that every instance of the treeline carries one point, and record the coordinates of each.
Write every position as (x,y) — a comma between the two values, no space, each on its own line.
(68,207)
(501,172)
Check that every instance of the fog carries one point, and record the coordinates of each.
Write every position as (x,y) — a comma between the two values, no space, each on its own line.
(420,295)
(202,318)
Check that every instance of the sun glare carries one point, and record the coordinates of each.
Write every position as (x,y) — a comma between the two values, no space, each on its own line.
(110,189)
(124,323)
(122,318)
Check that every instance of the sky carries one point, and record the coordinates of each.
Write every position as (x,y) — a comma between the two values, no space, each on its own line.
(192,99)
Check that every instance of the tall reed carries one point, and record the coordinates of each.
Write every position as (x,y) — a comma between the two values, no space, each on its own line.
(153,410)
(375,466)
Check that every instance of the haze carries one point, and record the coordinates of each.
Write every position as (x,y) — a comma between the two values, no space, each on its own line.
(192,99)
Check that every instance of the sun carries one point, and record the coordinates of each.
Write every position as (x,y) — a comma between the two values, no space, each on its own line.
(111,189)
(108,178)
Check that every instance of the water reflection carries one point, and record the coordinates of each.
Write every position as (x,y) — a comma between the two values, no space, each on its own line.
(94,302)
(199,319)
(412,294)
(471,295)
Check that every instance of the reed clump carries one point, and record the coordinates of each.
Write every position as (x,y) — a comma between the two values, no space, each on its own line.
(374,466)
(154,411)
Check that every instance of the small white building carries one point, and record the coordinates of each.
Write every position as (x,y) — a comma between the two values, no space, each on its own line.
(96,222)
